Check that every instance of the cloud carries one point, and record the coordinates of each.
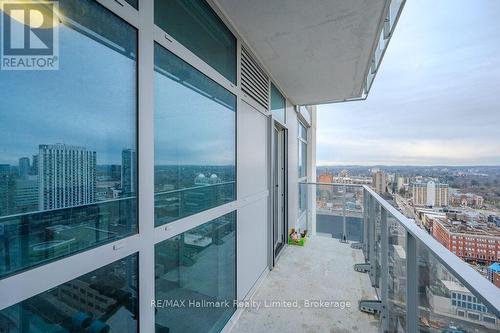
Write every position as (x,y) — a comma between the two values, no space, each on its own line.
(435,98)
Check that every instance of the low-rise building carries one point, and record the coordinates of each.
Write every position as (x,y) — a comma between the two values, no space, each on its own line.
(467,200)
(472,241)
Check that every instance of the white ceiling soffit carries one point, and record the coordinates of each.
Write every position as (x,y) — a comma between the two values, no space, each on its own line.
(317,51)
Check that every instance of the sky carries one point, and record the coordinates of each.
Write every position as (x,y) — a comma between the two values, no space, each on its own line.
(85,103)
(93,104)
(436,97)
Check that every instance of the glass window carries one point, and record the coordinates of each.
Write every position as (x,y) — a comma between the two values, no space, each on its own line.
(302,198)
(195,135)
(195,25)
(133,3)
(302,132)
(104,300)
(197,267)
(302,159)
(302,151)
(65,182)
(278,104)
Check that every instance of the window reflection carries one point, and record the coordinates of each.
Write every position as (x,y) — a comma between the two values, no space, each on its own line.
(67,164)
(195,25)
(278,104)
(101,301)
(194,140)
(197,267)
(302,151)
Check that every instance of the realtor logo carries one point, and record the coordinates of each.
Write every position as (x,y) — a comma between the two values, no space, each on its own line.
(29,35)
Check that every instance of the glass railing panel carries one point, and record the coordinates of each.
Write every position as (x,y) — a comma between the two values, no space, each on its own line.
(377,246)
(394,10)
(396,275)
(445,304)
(304,219)
(380,49)
(339,212)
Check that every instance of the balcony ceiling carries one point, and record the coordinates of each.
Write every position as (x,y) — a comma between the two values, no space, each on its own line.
(317,51)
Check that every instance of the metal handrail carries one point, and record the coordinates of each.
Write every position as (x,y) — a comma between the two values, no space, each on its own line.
(483,289)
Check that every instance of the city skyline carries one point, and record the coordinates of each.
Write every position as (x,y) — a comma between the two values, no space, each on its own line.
(435,99)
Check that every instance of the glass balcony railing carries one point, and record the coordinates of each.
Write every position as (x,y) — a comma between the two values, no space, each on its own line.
(421,285)
(393,12)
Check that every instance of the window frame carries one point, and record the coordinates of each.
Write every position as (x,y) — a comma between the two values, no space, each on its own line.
(236,105)
(29,283)
(302,178)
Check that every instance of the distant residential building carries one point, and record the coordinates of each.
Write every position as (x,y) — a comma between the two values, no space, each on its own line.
(442,195)
(344,173)
(467,200)
(34,165)
(115,171)
(5,169)
(24,167)
(379,182)
(7,190)
(430,194)
(352,180)
(493,274)
(473,242)
(26,199)
(67,176)
(456,301)
(129,173)
(325,178)
(400,182)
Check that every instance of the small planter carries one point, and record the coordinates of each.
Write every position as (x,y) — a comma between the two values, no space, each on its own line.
(299,242)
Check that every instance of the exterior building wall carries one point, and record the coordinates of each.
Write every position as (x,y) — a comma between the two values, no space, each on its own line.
(128,171)
(430,194)
(379,182)
(419,194)
(441,234)
(325,178)
(496,279)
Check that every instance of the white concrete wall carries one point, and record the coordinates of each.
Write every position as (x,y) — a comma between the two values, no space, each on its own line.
(311,174)
(252,182)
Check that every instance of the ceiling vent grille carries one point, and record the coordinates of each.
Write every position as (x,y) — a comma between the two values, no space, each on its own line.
(253,80)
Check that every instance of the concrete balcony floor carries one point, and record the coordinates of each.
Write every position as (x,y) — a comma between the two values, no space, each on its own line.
(321,270)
